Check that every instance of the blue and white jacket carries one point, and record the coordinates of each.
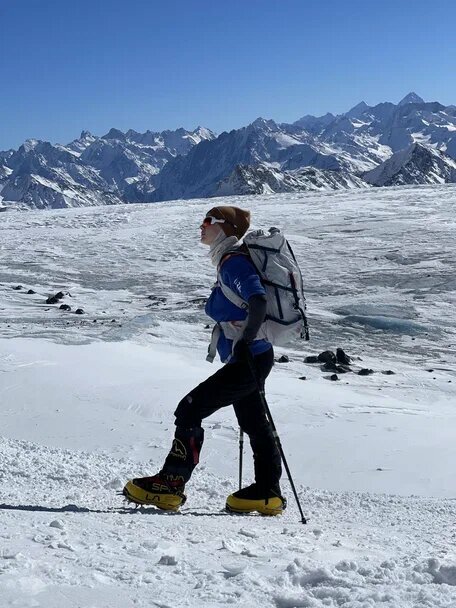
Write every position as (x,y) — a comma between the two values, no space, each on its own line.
(240,275)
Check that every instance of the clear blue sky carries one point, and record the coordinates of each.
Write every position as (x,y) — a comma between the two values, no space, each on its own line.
(68,65)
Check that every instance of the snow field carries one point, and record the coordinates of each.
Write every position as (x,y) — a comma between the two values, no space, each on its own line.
(87,405)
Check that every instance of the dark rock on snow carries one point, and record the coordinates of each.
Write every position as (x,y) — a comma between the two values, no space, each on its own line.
(341,357)
(311,359)
(365,372)
(55,299)
(156,300)
(334,377)
(30,292)
(79,311)
(64,307)
(329,367)
(327,356)
(283,359)
(17,288)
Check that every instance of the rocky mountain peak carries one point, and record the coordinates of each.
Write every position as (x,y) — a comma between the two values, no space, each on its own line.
(29,144)
(411,98)
(265,124)
(114,134)
(357,110)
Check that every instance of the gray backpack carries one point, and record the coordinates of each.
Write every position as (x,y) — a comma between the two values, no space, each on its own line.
(282,279)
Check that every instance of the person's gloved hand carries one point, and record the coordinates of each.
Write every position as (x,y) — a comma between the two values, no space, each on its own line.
(241,350)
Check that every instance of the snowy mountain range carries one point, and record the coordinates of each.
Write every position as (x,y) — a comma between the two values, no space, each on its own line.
(412,142)
(117,167)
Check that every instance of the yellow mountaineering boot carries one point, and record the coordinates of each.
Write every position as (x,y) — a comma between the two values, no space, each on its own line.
(251,499)
(158,491)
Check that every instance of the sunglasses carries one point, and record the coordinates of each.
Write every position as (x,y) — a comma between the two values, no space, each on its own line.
(209,221)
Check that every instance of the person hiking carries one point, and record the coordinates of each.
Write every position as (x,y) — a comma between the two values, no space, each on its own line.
(242,350)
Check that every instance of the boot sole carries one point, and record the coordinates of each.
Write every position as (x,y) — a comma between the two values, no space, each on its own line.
(165,502)
(274,506)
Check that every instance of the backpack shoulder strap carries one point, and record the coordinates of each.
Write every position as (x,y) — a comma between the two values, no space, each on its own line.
(230,254)
(231,295)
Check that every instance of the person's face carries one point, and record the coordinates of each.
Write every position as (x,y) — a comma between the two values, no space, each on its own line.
(209,232)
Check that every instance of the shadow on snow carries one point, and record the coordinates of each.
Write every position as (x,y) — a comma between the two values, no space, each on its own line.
(122,510)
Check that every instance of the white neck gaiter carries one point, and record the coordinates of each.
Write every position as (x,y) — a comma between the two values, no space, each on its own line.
(221,245)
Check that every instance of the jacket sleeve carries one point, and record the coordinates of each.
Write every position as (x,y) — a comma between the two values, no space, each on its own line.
(240,275)
(255,317)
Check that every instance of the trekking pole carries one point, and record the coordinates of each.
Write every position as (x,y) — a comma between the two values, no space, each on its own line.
(267,411)
(241,455)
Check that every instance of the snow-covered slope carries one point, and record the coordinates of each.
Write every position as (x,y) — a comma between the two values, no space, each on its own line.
(263,179)
(46,176)
(36,192)
(88,401)
(68,541)
(262,142)
(5,172)
(413,165)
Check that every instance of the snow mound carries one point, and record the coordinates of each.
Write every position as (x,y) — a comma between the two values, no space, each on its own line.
(392,583)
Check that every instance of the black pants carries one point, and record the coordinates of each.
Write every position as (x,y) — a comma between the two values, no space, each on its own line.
(234,385)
